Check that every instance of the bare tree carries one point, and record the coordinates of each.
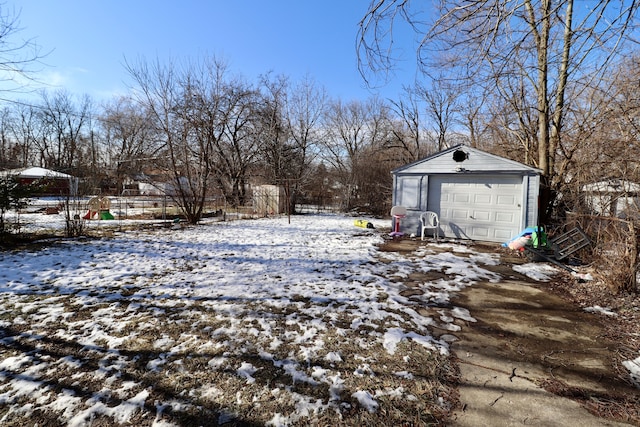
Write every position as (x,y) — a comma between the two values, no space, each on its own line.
(355,131)
(607,121)
(472,119)
(304,114)
(513,123)
(277,150)
(129,137)
(6,145)
(65,129)
(344,144)
(207,125)
(441,107)
(18,57)
(550,46)
(237,149)
(169,97)
(25,128)
(288,125)
(409,136)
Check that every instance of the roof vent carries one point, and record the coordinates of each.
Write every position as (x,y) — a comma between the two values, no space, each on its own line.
(460,156)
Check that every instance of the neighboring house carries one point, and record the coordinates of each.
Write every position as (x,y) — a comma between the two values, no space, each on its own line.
(154,188)
(613,197)
(477,195)
(54,183)
(145,185)
(153,185)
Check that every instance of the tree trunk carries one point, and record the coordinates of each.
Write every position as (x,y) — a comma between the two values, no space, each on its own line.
(563,76)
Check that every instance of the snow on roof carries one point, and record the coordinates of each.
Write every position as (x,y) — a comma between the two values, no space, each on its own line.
(473,160)
(35,172)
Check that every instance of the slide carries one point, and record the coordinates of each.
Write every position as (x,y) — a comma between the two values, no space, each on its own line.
(105,215)
(89,215)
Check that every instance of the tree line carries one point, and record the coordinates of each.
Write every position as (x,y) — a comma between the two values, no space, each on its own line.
(211,132)
(550,84)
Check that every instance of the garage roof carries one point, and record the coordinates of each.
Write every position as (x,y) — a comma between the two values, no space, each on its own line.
(462,158)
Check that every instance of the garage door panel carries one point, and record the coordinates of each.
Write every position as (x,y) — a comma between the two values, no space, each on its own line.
(458,214)
(482,199)
(505,217)
(460,198)
(482,215)
(506,199)
(480,207)
(480,232)
(503,235)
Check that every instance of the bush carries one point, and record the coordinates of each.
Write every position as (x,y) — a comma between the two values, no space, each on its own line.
(13,196)
(614,251)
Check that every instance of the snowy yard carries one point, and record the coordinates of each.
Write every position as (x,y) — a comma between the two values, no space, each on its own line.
(248,322)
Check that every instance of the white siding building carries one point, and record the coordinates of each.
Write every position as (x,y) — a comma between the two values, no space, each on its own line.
(477,195)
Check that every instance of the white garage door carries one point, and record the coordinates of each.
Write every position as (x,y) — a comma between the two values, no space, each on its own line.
(477,207)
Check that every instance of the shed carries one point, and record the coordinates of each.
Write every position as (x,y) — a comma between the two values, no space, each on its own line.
(613,197)
(477,195)
(269,199)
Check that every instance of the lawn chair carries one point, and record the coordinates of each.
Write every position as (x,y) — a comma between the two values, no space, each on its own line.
(429,221)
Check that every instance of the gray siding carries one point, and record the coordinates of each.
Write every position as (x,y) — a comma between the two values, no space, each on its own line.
(533,191)
(477,161)
(411,182)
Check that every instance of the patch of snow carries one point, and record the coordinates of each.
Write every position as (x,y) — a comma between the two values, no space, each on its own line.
(366,400)
(391,339)
(587,277)
(246,371)
(219,288)
(600,310)
(404,374)
(462,313)
(634,370)
(332,356)
(537,271)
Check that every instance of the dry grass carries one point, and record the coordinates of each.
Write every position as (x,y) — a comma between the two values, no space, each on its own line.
(211,396)
(623,329)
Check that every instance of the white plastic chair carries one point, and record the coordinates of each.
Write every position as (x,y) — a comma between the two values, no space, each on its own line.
(429,221)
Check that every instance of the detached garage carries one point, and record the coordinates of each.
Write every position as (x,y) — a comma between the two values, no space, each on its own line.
(477,195)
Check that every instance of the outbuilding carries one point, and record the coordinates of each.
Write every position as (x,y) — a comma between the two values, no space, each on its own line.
(613,197)
(477,195)
(53,183)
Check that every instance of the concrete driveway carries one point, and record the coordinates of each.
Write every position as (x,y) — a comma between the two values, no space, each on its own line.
(531,357)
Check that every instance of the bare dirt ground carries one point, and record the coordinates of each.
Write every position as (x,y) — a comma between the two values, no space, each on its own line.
(534,356)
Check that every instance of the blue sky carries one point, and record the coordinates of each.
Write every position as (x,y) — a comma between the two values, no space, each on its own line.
(90,39)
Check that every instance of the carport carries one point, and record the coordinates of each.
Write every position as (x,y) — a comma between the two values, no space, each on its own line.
(477,195)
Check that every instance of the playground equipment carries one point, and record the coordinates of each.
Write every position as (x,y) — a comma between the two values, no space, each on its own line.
(534,243)
(99,208)
(560,247)
(397,213)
